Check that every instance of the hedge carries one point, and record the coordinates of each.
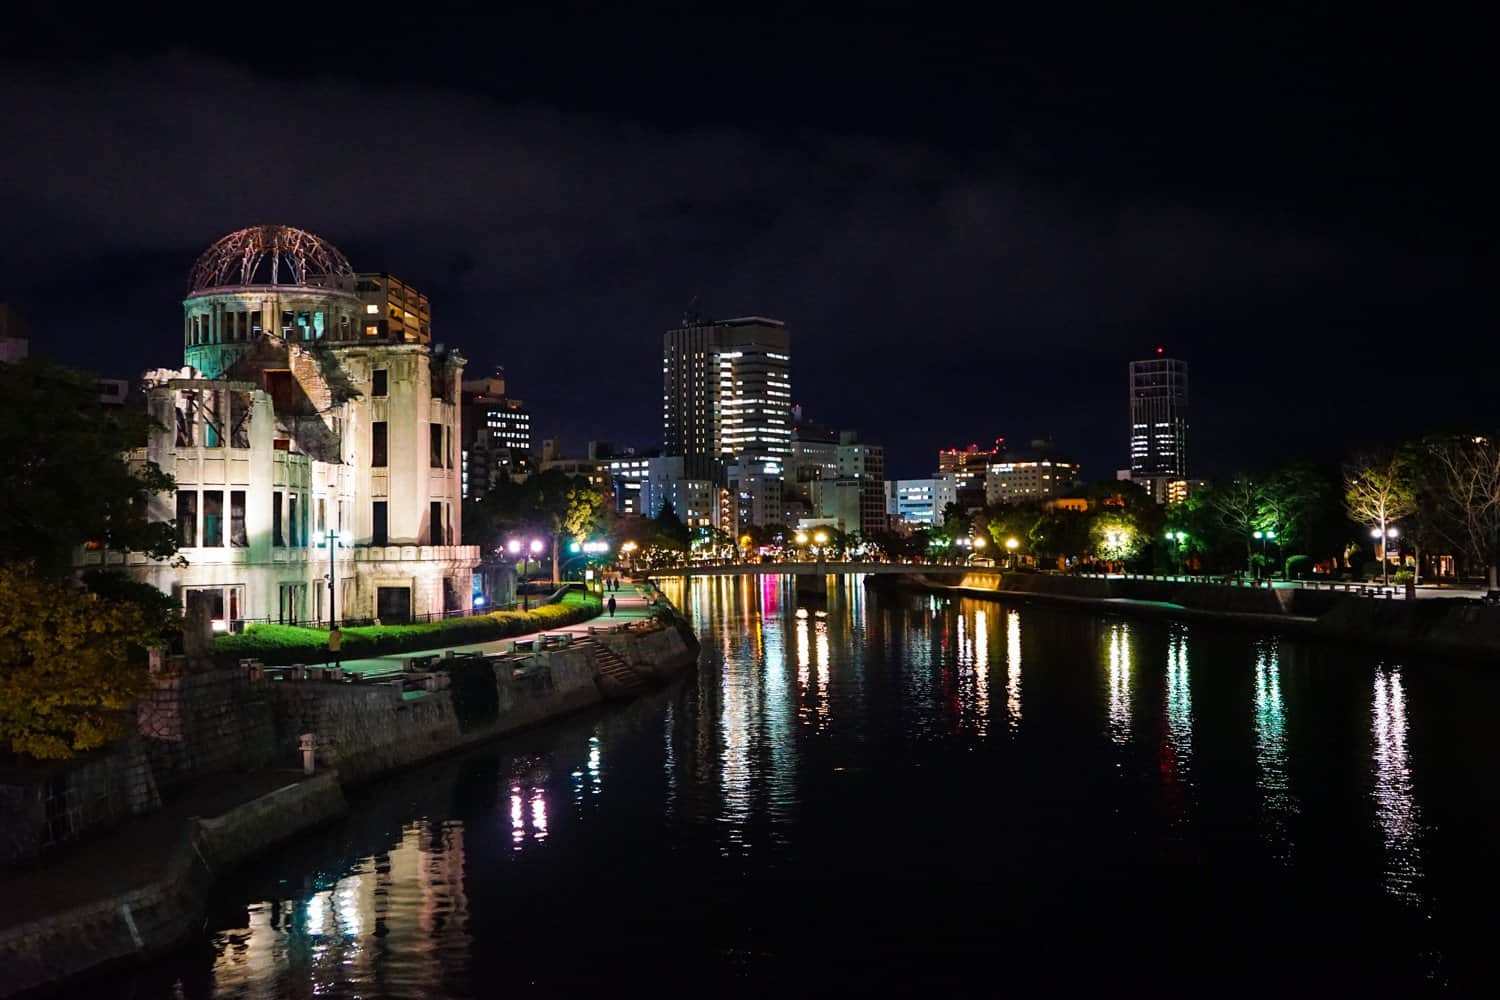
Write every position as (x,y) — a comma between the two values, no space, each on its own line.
(282,644)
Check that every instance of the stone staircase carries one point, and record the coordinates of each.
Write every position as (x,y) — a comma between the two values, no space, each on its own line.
(617,679)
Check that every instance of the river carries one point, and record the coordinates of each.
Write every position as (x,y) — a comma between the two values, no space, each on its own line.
(896,790)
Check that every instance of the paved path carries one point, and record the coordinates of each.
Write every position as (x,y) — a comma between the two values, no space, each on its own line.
(631,603)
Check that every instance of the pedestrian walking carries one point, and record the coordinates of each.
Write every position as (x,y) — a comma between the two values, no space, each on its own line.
(611,607)
(335,640)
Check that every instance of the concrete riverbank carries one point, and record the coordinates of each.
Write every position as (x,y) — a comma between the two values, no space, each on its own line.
(136,891)
(1455,627)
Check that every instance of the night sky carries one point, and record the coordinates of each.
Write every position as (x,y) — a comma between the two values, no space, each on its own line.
(970,227)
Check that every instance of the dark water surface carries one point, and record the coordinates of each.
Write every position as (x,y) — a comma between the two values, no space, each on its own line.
(913,792)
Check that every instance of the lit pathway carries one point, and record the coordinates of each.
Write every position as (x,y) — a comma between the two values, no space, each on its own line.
(631,604)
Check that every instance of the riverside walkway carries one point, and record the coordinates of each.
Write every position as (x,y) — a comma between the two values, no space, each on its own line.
(632,603)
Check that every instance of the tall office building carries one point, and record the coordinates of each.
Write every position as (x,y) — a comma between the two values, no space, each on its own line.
(496,434)
(726,390)
(1158,418)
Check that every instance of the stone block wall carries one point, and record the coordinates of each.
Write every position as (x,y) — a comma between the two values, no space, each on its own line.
(201,722)
(50,805)
(365,729)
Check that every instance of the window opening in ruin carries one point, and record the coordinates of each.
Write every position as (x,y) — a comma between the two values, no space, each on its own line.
(210,599)
(277,539)
(184,419)
(237,536)
(380,523)
(372,329)
(292,520)
(379,382)
(435,448)
(239,420)
(322,515)
(379,455)
(208,405)
(187,518)
(213,519)
(435,522)
(288,324)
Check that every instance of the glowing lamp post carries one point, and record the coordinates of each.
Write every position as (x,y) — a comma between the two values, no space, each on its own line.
(333,540)
(1384,538)
(514,547)
(1263,537)
(1011,544)
(1175,539)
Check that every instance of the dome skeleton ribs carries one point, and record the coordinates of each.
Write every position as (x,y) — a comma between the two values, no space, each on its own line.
(238,259)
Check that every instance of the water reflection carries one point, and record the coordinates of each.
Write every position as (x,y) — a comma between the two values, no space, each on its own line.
(1119,683)
(750,795)
(1179,703)
(1277,803)
(409,901)
(1395,808)
(1013,669)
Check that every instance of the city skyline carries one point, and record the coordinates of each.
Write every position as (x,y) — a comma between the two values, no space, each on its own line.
(1278,217)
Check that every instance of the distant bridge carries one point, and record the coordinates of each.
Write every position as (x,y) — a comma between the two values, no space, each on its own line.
(830,568)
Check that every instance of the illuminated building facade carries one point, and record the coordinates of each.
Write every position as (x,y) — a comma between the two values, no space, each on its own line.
(1158,418)
(299,414)
(496,434)
(1009,482)
(726,390)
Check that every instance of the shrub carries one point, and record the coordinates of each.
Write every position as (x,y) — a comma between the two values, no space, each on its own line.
(282,644)
(1298,567)
(70,662)
(1402,577)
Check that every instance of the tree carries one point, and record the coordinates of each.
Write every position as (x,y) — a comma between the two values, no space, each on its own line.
(1464,483)
(1115,537)
(70,664)
(1377,491)
(65,480)
(586,513)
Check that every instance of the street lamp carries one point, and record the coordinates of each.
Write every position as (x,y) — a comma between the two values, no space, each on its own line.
(1011,544)
(1263,537)
(629,549)
(1385,560)
(1175,539)
(333,540)
(514,547)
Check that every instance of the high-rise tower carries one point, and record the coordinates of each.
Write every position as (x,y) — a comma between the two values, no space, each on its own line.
(1158,417)
(726,390)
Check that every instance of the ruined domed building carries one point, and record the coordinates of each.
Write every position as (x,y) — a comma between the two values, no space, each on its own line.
(312,405)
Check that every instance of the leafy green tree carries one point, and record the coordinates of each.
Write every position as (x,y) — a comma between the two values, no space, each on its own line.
(1378,489)
(65,480)
(71,663)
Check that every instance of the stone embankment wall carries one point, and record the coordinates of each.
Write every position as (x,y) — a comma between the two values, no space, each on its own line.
(1439,626)
(199,720)
(153,916)
(44,807)
(362,730)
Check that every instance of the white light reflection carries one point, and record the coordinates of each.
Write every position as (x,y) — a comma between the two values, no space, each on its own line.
(981,671)
(1395,807)
(517,818)
(1013,669)
(1270,746)
(538,815)
(1119,683)
(1179,702)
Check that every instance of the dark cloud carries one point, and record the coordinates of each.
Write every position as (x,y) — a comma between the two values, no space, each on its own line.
(989,280)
